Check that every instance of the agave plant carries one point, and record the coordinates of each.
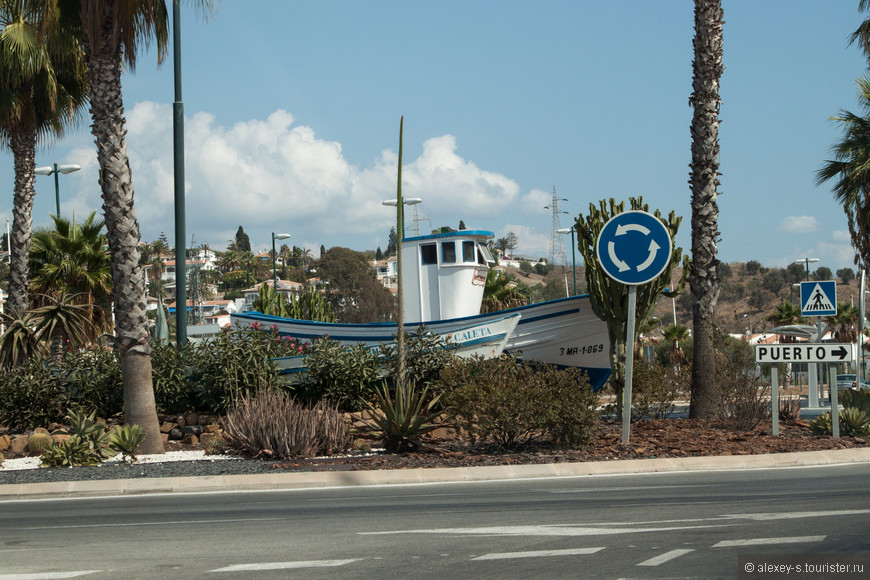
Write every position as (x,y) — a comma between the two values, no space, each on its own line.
(402,421)
(125,439)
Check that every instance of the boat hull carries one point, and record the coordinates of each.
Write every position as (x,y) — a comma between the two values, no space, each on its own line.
(562,332)
(486,339)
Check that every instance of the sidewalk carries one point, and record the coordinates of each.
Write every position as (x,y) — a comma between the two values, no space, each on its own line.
(331,479)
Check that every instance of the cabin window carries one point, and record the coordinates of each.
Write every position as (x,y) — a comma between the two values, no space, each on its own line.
(428,254)
(467,251)
(484,256)
(448,252)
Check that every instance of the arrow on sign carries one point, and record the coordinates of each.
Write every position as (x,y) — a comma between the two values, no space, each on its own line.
(841,352)
(611,249)
(623,229)
(653,250)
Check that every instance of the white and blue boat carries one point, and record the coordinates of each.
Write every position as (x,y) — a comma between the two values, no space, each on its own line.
(443,278)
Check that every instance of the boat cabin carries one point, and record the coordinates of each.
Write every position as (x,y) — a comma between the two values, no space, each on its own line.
(444,273)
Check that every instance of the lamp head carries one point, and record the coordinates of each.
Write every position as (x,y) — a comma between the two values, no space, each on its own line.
(68,168)
(564,230)
(280,236)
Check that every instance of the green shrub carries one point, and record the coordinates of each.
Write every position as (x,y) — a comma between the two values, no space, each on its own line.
(656,388)
(426,355)
(171,374)
(236,363)
(509,404)
(93,378)
(271,424)
(32,395)
(401,421)
(343,376)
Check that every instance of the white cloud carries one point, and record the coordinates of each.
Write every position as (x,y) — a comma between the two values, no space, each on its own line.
(275,175)
(841,236)
(799,224)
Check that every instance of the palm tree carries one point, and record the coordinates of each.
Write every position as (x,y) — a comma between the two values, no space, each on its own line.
(71,258)
(850,170)
(843,325)
(862,35)
(43,88)
(676,333)
(500,292)
(707,69)
(113,32)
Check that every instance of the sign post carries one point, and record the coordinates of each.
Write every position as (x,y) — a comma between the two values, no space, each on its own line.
(818,298)
(633,248)
(812,353)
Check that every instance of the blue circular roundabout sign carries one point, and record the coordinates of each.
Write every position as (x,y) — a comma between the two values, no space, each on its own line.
(634,247)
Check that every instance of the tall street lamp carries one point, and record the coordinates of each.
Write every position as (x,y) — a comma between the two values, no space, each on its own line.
(55,170)
(807,261)
(573,254)
(275,259)
(405,201)
(674,307)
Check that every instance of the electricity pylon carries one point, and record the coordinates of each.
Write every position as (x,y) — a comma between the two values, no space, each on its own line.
(557,248)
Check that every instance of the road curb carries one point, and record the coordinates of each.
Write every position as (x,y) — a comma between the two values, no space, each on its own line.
(328,479)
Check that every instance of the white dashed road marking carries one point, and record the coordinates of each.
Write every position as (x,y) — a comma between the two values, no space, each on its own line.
(285,565)
(666,557)
(538,554)
(768,541)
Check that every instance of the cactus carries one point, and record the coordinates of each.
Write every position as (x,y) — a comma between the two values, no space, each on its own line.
(38,443)
(361,445)
(608,298)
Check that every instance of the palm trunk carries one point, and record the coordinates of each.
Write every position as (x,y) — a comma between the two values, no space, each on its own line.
(704,278)
(23,145)
(128,281)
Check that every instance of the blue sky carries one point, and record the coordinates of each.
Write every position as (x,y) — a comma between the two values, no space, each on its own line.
(292,119)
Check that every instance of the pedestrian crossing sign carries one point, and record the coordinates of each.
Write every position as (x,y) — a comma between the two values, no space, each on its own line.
(819,298)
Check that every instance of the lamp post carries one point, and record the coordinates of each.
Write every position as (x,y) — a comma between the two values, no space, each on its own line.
(573,254)
(405,201)
(674,307)
(807,261)
(275,260)
(55,170)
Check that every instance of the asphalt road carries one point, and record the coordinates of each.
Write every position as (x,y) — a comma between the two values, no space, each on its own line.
(669,525)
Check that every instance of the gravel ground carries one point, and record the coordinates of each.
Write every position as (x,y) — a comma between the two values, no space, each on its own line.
(173,464)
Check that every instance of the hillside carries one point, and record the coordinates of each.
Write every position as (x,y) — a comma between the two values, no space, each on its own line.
(745,299)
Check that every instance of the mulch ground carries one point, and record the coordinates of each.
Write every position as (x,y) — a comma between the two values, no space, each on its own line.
(648,439)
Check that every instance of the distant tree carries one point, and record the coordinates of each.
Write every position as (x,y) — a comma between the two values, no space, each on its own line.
(794,273)
(756,299)
(844,325)
(501,244)
(753,267)
(243,242)
(725,271)
(774,280)
(823,273)
(846,275)
(512,242)
(322,250)
(379,255)
(461,225)
(392,242)
(525,267)
(542,269)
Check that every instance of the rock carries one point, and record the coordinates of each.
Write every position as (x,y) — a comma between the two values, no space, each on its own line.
(176,434)
(164,437)
(58,437)
(181,421)
(212,428)
(206,437)
(167,426)
(19,444)
(42,430)
(189,439)
(192,429)
(4,442)
(192,418)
